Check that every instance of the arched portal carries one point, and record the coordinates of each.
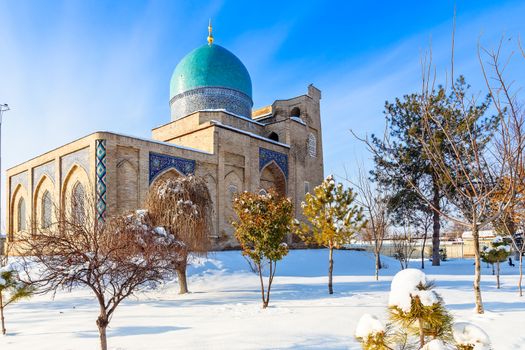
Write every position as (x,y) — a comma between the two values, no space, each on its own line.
(168,174)
(273,177)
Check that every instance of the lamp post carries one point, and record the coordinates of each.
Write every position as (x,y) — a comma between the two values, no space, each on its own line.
(3,108)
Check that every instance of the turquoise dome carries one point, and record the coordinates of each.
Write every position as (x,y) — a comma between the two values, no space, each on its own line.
(210,66)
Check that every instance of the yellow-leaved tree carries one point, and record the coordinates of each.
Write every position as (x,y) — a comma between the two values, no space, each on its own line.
(333,219)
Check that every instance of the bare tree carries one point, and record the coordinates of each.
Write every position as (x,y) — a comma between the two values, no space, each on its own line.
(183,205)
(374,202)
(404,245)
(113,259)
(508,101)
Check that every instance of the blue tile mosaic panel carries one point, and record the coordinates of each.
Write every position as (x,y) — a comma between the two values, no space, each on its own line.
(100,166)
(160,162)
(267,155)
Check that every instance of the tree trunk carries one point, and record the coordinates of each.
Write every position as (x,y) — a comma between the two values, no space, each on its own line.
(330,270)
(102,324)
(477,270)
(436,225)
(493,270)
(497,275)
(2,314)
(259,269)
(378,265)
(183,283)
(423,248)
(421,333)
(521,275)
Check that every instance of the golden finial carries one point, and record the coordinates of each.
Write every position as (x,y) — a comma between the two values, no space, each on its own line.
(210,35)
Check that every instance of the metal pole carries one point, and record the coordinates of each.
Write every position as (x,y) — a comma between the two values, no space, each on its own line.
(3,108)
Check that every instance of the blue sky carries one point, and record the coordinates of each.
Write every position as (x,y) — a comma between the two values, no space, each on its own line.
(68,68)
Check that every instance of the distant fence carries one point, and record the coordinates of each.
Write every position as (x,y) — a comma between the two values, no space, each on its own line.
(453,249)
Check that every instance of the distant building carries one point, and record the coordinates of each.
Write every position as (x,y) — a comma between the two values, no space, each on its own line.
(213,133)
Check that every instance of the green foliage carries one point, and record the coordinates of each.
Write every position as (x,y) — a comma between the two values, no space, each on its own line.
(432,321)
(332,214)
(264,220)
(12,289)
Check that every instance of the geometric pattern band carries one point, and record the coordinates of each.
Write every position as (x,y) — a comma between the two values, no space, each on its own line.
(160,162)
(266,156)
(101,186)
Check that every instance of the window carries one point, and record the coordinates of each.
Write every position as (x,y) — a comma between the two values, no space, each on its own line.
(296,112)
(306,187)
(274,136)
(263,192)
(77,202)
(232,189)
(311,145)
(47,207)
(21,224)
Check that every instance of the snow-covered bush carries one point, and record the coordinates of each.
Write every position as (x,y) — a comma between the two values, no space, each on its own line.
(418,320)
(370,332)
(417,309)
(470,337)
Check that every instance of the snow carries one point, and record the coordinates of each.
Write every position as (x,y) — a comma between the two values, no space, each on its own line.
(469,334)
(251,134)
(298,120)
(223,310)
(368,325)
(404,285)
(436,344)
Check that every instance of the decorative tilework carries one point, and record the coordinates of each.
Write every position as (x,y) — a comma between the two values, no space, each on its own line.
(160,162)
(210,98)
(266,156)
(47,169)
(21,178)
(100,164)
(80,157)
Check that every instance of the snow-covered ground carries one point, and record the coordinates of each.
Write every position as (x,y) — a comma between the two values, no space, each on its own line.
(224,309)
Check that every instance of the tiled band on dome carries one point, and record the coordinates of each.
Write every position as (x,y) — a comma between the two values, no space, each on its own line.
(100,166)
(204,98)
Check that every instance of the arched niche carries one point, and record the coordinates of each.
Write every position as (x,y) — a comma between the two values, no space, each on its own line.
(273,177)
(44,204)
(75,177)
(19,221)
(232,185)
(171,173)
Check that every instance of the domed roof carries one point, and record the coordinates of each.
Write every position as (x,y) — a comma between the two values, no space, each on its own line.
(210,66)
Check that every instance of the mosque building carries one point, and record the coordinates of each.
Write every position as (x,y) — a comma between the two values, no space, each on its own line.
(213,133)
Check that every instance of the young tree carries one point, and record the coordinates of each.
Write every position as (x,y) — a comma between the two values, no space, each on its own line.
(333,218)
(263,222)
(183,206)
(375,202)
(496,254)
(114,259)
(12,289)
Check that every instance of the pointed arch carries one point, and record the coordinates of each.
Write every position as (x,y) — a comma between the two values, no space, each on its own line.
(273,177)
(44,203)
(18,214)
(69,204)
(170,173)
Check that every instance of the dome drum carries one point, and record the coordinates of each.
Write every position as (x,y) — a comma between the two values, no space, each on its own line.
(206,98)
